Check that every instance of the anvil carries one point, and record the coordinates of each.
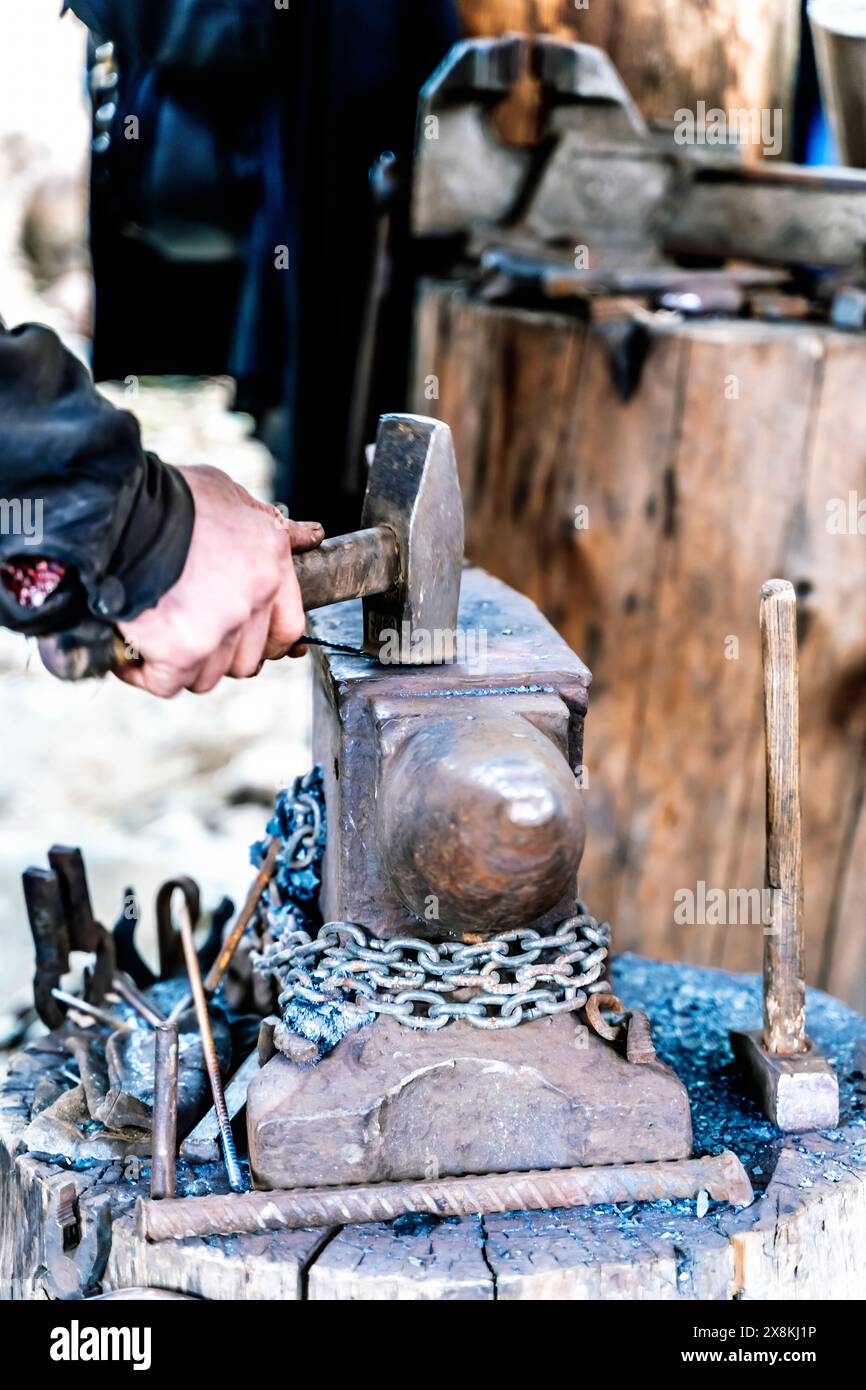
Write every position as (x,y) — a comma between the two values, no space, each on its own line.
(454,810)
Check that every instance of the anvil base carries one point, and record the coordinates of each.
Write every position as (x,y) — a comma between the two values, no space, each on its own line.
(390,1104)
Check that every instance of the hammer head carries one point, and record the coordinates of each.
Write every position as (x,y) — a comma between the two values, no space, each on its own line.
(413,488)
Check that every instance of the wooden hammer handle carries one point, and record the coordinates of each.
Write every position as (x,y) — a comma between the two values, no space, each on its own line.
(345,567)
(784,984)
(353,566)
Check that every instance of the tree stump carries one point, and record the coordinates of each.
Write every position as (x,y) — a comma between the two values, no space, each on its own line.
(644,529)
(804,1237)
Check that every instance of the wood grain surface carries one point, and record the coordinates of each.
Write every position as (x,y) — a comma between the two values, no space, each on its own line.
(785,991)
(725,468)
(670,53)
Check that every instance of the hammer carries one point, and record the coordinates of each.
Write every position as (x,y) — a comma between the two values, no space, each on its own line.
(405,562)
(796,1084)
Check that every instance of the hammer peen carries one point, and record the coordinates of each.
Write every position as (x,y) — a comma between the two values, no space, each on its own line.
(405,562)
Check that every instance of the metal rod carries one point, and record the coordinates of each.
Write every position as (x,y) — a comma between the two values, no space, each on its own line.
(217,972)
(164,1158)
(199,998)
(723,1178)
(202,1145)
(81,1006)
(130,995)
(784,973)
(639,1046)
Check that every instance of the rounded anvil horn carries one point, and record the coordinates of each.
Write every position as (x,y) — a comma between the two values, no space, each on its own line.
(481,824)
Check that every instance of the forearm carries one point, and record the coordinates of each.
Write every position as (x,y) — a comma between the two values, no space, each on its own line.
(77,488)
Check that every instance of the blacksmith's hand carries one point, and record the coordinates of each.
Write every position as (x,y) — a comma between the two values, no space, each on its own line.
(237,603)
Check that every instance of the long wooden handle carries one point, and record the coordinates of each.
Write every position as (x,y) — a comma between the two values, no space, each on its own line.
(345,567)
(784,983)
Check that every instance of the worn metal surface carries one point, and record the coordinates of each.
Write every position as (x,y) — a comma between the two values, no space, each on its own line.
(482,819)
(131,1064)
(388,1105)
(723,1178)
(414,489)
(506,272)
(107,1101)
(594,157)
(797,1093)
(83,1006)
(128,960)
(51,940)
(639,1045)
(513,666)
(65,1130)
(168,940)
(163,1172)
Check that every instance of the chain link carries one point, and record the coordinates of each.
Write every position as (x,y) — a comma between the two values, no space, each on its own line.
(499,983)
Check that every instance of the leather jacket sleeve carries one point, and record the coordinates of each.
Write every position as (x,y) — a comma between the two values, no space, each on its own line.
(77,488)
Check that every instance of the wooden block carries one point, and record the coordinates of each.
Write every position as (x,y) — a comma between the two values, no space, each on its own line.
(428,1261)
(268,1267)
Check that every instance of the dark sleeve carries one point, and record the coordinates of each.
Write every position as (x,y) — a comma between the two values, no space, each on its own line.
(77,487)
(190,34)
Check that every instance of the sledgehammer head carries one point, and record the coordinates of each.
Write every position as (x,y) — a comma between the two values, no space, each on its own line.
(413,488)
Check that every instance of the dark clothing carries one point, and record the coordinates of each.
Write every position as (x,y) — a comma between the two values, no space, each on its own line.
(117,518)
(258,127)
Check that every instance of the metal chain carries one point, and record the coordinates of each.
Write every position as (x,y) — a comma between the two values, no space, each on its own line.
(498,983)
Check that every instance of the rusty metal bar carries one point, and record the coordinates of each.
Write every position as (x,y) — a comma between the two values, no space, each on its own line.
(126,991)
(218,970)
(639,1046)
(164,1158)
(82,1006)
(216,974)
(235,1176)
(723,1178)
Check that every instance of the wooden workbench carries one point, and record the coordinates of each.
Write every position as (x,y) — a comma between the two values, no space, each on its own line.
(804,1237)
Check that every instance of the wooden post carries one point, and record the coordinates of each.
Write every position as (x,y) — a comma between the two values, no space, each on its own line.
(784,983)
